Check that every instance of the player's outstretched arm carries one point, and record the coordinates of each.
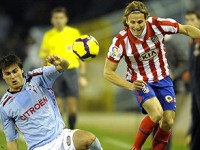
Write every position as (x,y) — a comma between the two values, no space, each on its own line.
(113,77)
(189,30)
(12,145)
(59,63)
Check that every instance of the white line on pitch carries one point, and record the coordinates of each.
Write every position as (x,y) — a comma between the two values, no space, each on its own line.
(117,143)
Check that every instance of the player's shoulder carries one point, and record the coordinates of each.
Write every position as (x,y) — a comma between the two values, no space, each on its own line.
(72,30)
(121,35)
(7,98)
(34,73)
(156,20)
(38,72)
(50,32)
(153,20)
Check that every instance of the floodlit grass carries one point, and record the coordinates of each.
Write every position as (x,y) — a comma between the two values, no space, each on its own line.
(22,144)
(115,131)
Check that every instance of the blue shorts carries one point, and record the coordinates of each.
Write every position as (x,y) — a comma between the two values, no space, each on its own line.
(162,89)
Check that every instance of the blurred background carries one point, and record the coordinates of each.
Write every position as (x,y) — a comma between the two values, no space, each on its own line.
(110,112)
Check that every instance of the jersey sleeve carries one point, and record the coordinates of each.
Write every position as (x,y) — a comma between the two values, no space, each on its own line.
(168,25)
(45,76)
(115,52)
(8,126)
(44,50)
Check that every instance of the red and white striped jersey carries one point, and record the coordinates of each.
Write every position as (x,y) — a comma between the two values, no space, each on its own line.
(146,57)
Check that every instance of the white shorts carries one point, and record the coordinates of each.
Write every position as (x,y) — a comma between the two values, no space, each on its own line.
(63,142)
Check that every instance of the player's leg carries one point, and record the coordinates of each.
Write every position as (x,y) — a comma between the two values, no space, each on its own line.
(71,111)
(84,140)
(154,110)
(71,96)
(164,131)
(167,98)
(168,147)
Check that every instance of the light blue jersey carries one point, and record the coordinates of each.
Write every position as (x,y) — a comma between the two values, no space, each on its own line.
(33,110)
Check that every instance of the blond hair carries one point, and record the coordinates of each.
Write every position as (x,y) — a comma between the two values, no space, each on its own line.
(134,6)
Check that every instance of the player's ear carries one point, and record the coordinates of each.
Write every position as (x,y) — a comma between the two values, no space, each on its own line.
(126,21)
(23,72)
(2,76)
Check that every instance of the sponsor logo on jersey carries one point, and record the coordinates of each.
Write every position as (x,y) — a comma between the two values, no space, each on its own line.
(169,99)
(34,108)
(148,55)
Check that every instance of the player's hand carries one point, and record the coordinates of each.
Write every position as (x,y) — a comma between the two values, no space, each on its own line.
(83,81)
(54,60)
(58,62)
(138,85)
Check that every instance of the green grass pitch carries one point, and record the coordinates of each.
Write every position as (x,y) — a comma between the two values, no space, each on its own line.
(115,131)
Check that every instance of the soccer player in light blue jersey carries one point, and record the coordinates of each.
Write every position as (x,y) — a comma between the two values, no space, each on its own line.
(30,106)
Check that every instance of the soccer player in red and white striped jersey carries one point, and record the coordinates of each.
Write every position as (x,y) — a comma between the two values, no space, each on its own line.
(141,44)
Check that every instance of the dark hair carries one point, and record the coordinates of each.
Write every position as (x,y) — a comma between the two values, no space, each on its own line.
(10,60)
(193,12)
(59,10)
(134,6)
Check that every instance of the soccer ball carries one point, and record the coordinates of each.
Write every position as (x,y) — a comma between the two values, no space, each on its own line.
(86,47)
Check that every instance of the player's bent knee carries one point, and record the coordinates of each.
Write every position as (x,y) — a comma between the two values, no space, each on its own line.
(83,139)
(167,123)
(156,116)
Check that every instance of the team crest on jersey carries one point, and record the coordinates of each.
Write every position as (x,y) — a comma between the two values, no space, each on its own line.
(114,52)
(68,140)
(155,39)
(145,89)
(32,87)
(148,55)
(169,99)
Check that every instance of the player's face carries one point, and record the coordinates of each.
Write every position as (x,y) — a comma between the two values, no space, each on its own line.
(13,77)
(191,19)
(136,23)
(59,20)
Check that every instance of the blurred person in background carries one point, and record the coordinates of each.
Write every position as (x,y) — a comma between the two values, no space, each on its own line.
(141,44)
(193,18)
(5,25)
(32,60)
(178,60)
(59,40)
(29,106)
